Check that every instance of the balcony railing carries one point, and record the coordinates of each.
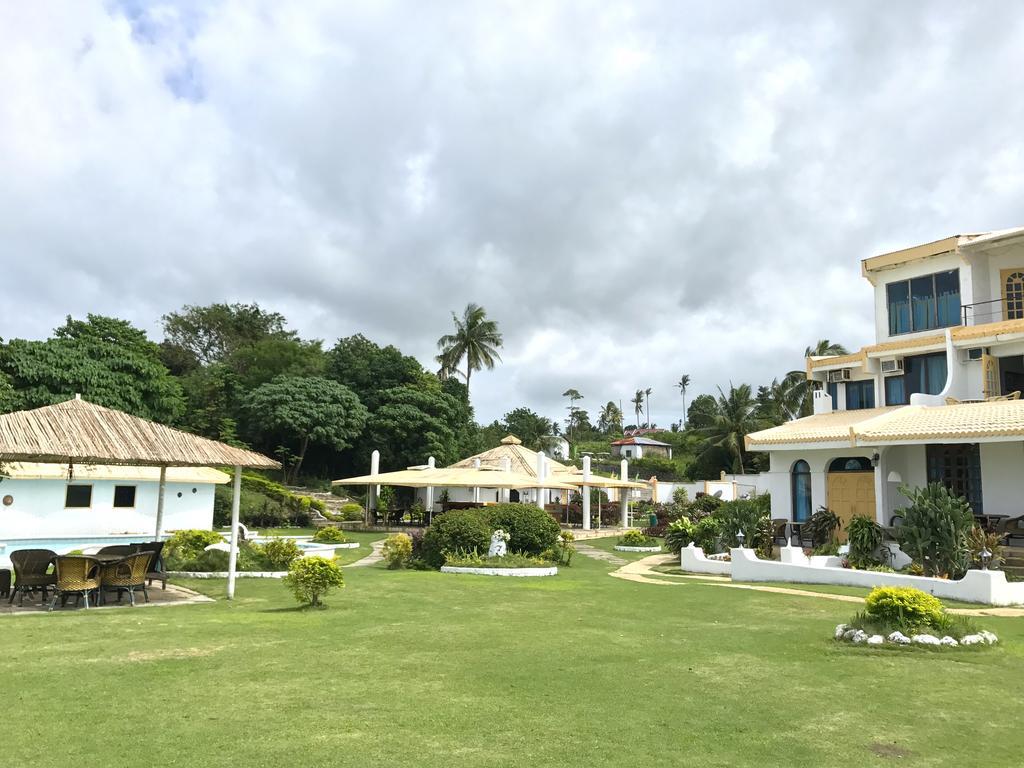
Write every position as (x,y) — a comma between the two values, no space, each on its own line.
(981,312)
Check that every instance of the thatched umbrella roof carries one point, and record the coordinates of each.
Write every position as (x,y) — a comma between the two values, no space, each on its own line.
(77,431)
(455,478)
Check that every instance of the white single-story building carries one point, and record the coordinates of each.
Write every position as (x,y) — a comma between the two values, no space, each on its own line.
(638,447)
(43,501)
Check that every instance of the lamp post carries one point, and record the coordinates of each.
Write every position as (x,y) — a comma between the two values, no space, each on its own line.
(740,537)
(985,557)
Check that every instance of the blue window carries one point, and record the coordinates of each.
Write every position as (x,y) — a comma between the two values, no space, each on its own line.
(958,467)
(921,373)
(801,475)
(860,394)
(923,303)
(833,392)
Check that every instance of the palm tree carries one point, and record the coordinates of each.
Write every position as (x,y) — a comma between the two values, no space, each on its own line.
(476,339)
(647,392)
(609,418)
(797,380)
(573,395)
(682,384)
(638,405)
(734,417)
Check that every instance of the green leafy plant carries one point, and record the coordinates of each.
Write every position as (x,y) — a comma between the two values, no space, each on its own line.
(636,539)
(189,544)
(741,515)
(458,530)
(679,534)
(977,540)
(397,550)
(473,559)
(531,530)
(702,506)
(310,578)
(864,536)
(706,534)
(281,552)
(935,530)
(904,607)
(330,535)
(563,550)
(822,527)
(351,512)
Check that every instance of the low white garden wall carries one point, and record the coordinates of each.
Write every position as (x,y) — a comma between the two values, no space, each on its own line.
(693,559)
(624,548)
(521,572)
(988,587)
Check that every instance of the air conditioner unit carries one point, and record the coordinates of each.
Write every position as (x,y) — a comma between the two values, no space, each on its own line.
(843,374)
(892,366)
(974,354)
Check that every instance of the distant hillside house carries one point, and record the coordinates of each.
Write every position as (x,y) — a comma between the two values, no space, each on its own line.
(638,447)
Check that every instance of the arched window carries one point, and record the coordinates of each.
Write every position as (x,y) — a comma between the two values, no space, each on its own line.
(801,478)
(851,464)
(1013,294)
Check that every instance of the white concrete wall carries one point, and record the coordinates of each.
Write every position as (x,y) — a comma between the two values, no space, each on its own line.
(1002,477)
(1005,257)
(38,511)
(780,483)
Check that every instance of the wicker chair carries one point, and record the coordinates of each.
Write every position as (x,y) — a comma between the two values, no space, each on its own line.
(127,575)
(31,572)
(156,565)
(116,549)
(77,575)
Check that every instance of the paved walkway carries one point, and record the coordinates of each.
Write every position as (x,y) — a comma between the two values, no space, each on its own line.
(642,571)
(599,554)
(373,558)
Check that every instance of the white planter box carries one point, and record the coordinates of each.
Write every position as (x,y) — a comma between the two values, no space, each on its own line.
(623,548)
(521,572)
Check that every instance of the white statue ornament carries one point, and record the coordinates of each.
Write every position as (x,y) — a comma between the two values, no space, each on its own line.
(499,545)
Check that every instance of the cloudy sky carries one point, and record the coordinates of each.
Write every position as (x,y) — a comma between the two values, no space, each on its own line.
(634,190)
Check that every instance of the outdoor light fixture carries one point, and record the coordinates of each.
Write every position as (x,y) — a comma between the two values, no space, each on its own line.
(740,537)
(985,557)
(874,459)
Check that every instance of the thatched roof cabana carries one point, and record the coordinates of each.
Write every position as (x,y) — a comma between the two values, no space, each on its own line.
(80,432)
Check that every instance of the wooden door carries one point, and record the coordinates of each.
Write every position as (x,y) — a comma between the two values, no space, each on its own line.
(850,494)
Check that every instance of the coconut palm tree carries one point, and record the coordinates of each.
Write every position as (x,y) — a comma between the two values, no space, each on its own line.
(573,395)
(682,384)
(476,339)
(638,405)
(609,418)
(734,417)
(797,381)
(647,393)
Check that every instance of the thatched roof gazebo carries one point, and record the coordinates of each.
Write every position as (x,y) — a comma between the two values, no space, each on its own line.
(80,432)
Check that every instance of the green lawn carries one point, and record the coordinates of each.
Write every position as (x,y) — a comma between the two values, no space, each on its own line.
(607,543)
(426,669)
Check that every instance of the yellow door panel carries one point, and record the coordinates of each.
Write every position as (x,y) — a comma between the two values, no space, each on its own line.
(851,494)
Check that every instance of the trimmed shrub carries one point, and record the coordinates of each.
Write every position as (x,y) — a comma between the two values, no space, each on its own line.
(397,550)
(679,534)
(904,607)
(706,533)
(935,530)
(636,539)
(350,512)
(310,578)
(281,553)
(531,530)
(330,535)
(188,545)
(474,559)
(458,530)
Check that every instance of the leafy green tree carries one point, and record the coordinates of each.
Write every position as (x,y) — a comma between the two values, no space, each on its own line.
(273,356)
(734,417)
(701,412)
(305,410)
(106,360)
(609,419)
(476,339)
(369,369)
(573,395)
(410,425)
(528,426)
(213,333)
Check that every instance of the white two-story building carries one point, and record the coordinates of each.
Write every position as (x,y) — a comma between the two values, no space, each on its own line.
(935,399)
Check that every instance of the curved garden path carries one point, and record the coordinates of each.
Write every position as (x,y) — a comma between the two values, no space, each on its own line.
(642,571)
(373,558)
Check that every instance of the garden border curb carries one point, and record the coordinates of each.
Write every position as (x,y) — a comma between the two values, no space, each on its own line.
(520,572)
(623,548)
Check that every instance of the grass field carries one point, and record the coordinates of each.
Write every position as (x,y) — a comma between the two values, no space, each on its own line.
(426,669)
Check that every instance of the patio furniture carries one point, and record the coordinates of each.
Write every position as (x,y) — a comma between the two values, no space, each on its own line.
(5,582)
(779,528)
(77,575)
(31,572)
(797,530)
(126,575)
(115,549)
(1010,528)
(156,565)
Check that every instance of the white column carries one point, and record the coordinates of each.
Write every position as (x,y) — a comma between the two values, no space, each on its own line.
(160,503)
(541,474)
(506,464)
(430,495)
(233,555)
(585,491)
(624,494)
(881,486)
(372,491)
(476,491)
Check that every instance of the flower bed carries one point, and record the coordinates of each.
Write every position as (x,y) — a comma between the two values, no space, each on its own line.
(499,571)
(622,548)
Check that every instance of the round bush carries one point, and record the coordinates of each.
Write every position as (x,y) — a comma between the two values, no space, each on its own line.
(310,578)
(330,535)
(636,539)
(281,552)
(397,550)
(461,529)
(904,607)
(531,530)
(188,545)
(350,512)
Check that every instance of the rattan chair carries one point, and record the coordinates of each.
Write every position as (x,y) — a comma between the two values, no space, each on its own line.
(116,549)
(156,565)
(127,575)
(77,575)
(31,572)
